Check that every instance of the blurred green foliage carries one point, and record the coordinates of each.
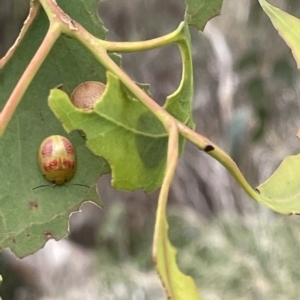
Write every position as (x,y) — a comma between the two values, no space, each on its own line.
(231,258)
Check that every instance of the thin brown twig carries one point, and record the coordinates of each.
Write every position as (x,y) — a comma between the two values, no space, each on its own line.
(34,8)
(26,78)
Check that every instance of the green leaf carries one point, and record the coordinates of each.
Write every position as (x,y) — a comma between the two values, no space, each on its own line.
(199,12)
(29,217)
(287,26)
(178,285)
(281,192)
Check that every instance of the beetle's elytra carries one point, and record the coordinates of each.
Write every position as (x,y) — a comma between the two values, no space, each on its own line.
(87,93)
(57,159)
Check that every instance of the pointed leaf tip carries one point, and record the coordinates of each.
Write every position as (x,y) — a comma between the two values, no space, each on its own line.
(287,27)
(281,192)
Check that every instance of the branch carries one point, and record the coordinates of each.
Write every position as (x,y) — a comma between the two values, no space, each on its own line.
(28,75)
(34,8)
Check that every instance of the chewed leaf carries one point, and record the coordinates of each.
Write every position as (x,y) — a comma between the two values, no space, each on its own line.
(287,26)
(199,12)
(121,130)
(281,192)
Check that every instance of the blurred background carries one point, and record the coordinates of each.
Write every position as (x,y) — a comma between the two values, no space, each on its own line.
(246,101)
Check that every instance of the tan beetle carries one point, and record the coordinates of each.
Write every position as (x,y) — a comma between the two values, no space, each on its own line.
(87,93)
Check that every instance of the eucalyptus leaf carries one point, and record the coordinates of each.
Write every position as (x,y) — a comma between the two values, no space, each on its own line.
(28,216)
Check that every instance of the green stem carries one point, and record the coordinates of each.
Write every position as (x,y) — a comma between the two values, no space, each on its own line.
(185,89)
(161,225)
(126,47)
(28,75)
(213,150)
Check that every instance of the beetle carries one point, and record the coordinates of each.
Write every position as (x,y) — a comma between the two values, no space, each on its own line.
(87,93)
(57,159)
